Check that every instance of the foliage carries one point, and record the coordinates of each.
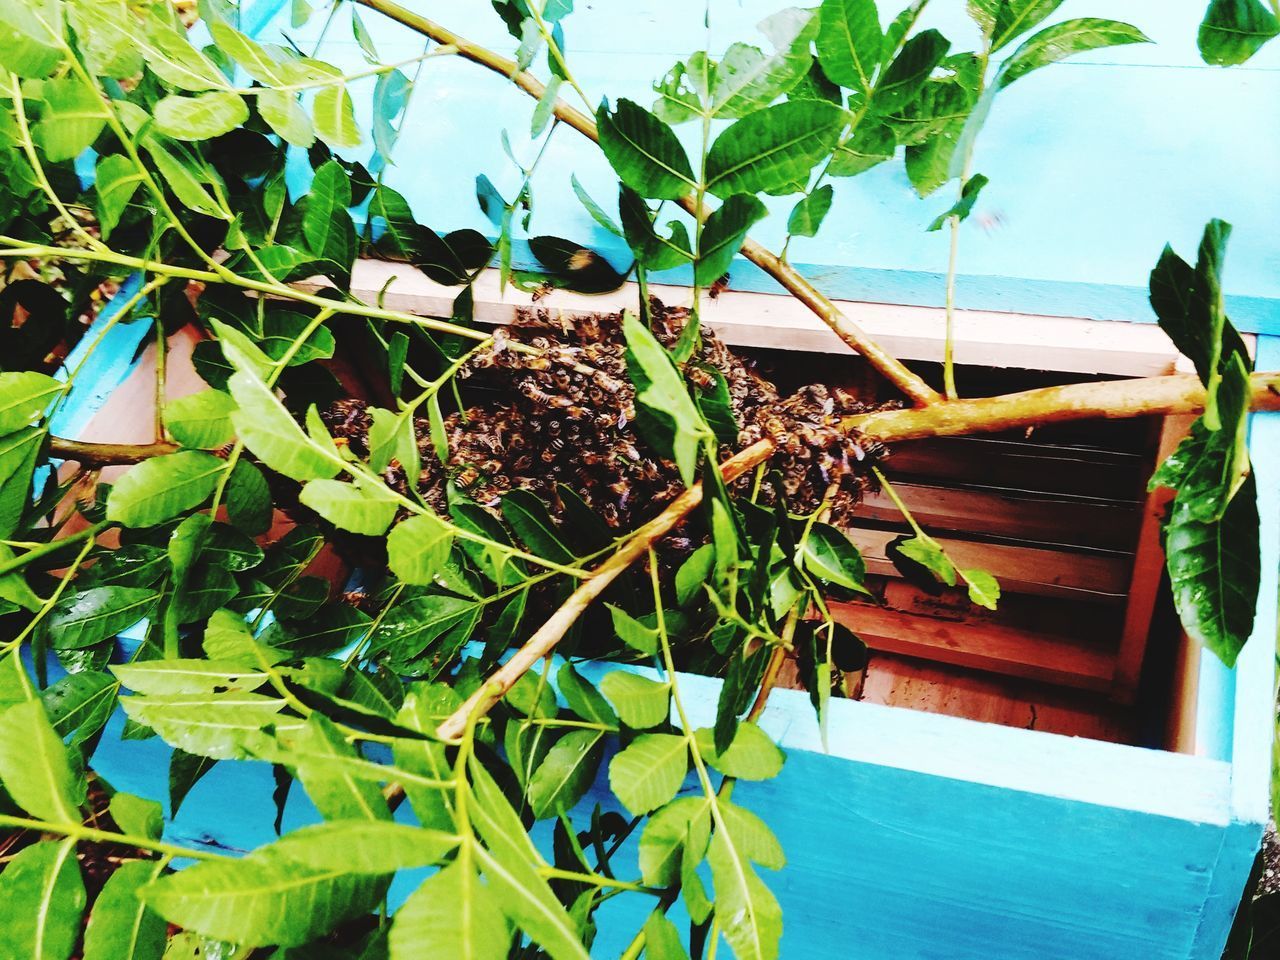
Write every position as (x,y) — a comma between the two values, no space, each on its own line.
(243,652)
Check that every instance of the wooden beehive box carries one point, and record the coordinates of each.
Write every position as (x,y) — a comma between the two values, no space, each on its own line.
(1066,778)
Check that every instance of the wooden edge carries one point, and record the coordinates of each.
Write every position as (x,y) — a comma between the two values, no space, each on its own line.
(991,647)
(1020,569)
(746,319)
(1148,572)
(1180,727)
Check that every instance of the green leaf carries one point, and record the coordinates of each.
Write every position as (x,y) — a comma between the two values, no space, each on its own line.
(723,234)
(1188,304)
(661,391)
(418,548)
(832,558)
(193,676)
(283,113)
(647,774)
(326,224)
(85,617)
(1015,17)
(807,217)
(632,632)
(201,420)
(1214,572)
(335,117)
(34,766)
(219,726)
(746,79)
(282,329)
(338,780)
(248,499)
(531,520)
(79,704)
(117,179)
(565,773)
(597,212)
(28,47)
(1063,40)
(361,507)
(962,207)
(678,831)
(774,149)
(263,898)
(137,816)
(510,863)
(582,698)
(662,939)
(905,76)
(425,708)
(363,846)
(411,627)
(751,756)
(202,117)
(451,916)
(120,926)
(71,119)
(928,554)
(18,455)
(750,917)
(651,248)
(24,398)
(849,42)
(1234,30)
(984,589)
(644,152)
(162,488)
(172,57)
(641,703)
(392,438)
(44,898)
(268,430)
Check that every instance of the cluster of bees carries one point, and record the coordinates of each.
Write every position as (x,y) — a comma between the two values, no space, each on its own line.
(566,415)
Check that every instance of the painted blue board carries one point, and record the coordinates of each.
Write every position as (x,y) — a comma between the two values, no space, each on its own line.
(1095,163)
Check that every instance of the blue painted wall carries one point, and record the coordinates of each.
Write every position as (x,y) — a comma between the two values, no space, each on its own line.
(1095,163)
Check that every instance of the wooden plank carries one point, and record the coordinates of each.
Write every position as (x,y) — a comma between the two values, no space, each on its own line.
(1021,569)
(1025,515)
(981,646)
(1148,571)
(749,319)
(1011,465)
(898,681)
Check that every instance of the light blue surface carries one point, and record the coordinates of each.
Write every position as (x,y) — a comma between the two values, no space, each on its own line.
(1095,163)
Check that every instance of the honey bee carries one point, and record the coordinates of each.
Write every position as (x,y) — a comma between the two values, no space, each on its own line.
(541,290)
(719,287)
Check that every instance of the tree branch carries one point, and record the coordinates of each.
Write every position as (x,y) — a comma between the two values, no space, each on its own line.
(105,454)
(1108,400)
(786,275)
(544,640)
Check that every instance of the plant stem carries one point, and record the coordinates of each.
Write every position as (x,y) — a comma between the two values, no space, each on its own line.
(1109,400)
(888,365)
(79,831)
(545,638)
(53,546)
(92,454)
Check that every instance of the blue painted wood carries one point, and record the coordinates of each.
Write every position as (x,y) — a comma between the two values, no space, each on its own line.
(1095,163)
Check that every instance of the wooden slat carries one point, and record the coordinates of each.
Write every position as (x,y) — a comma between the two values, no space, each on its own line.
(980,646)
(1148,572)
(1027,516)
(1022,466)
(1020,569)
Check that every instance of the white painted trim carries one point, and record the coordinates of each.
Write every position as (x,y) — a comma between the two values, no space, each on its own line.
(983,338)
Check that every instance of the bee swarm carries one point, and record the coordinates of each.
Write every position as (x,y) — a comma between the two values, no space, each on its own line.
(566,415)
